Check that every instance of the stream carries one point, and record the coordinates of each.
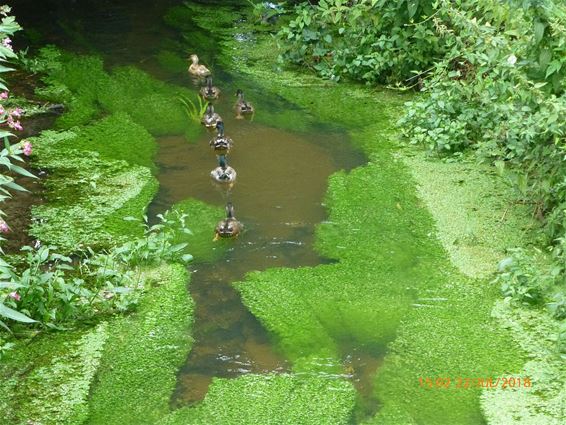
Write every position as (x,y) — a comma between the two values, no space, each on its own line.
(278,196)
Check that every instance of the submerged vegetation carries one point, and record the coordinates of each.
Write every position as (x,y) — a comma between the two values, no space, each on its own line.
(492,79)
(410,285)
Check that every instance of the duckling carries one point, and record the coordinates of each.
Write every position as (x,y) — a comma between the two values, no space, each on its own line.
(223,173)
(221,144)
(210,118)
(230,227)
(196,69)
(242,107)
(209,92)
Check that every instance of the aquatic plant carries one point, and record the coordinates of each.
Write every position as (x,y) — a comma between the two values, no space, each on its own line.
(194,110)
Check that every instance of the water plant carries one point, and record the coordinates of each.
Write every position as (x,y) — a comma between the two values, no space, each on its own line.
(194,110)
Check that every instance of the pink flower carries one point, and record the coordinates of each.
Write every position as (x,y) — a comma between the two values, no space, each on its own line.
(14,124)
(4,95)
(17,112)
(2,110)
(7,43)
(27,146)
(4,228)
(14,295)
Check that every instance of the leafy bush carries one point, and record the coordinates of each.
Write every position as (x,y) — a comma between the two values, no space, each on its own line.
(52,290)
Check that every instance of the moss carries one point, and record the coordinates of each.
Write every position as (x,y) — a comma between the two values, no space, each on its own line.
(87,197)
(271,399)
(201,220)
(47,380)
(144,350)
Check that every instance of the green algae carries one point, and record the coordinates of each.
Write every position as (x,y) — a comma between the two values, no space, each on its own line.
(47,380)
(544,402)
(201,220)
(115,137)
(271,399)
(87,196)
(81,82)
(475,212)
(144,350)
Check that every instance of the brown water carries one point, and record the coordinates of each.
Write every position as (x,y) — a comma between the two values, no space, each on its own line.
(282,178)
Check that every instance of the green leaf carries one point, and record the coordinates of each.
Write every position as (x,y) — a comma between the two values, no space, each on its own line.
(178,247)
(15,315)
(539,31)
(187,257)
(21,171)
(412,6)
(15,186)
(10,285)
(544,58)
(5,326)
(553,67)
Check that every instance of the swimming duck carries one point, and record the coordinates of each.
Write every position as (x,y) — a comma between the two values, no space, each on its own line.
(210,118)
(196,69)
(230,227)
(242,107)
(223,173)
(221,144)
(209,92)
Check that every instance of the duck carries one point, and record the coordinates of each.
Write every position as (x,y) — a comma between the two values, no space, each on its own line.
(196,69)
(210,118)
(221,144)
(242,107)
(223,173)
(230,227)
(209,92)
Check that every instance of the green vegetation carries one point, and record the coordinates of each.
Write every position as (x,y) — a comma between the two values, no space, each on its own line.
(88,209)
(270,399)
(143,352)
(492,77)
(65,363)
(89,91)
(200,241)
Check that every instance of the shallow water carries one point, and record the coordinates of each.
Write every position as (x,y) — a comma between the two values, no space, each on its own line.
(282,179)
